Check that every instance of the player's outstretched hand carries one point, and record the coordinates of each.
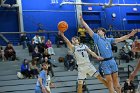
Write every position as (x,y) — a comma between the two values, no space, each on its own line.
(100,58)
(61,33)
(134,31)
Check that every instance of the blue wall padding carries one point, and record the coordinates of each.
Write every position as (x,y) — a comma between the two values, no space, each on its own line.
(48,14)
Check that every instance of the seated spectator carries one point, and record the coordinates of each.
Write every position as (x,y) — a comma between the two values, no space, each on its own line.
(129,41)
(31,46)
(25,69)
(128,50)
(82,34)
(69,62)
(23,40)
(33,43)
(36,55)
(2,53)
(49,47)
(124,55)
(114,47)
(9,52)
(34,70)
(41,46)
(37,39)
(46,54)
(60,41)
(118,34)
(50,66)
(129,87)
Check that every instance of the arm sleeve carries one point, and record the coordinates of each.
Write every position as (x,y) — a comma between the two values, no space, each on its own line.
(23,67)
(86,47)
(111,40)
(95,37)
(41,75)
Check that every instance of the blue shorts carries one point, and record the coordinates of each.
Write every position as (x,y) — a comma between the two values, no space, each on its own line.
(109,67)
(38,89)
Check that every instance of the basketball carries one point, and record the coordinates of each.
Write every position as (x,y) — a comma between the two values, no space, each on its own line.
(62,26)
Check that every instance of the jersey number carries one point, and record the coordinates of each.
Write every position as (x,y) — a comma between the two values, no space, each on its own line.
(82,54)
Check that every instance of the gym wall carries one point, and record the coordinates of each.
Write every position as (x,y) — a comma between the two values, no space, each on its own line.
(48,14)
(9,22)
(126,16)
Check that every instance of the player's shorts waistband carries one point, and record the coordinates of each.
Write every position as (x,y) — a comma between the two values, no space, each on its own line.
(106,59)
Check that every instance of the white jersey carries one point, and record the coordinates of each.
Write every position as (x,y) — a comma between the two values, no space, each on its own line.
(81,54)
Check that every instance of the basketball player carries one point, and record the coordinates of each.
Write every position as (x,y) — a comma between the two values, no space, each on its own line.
(42,80)
(134,73)
(108,65)
(83,62)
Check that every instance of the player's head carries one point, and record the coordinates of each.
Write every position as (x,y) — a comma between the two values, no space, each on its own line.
(101,31)
(75,40)
(45,65)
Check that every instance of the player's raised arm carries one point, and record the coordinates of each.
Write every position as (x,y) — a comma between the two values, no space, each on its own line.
(69,44)
(88,29)
(134,73)
(62,27)
(134,31)
(94,54)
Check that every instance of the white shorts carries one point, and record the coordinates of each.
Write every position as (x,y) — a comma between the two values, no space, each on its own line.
(85,69)
(48,88)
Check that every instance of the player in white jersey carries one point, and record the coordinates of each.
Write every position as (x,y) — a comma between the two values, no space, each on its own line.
(80,53)
(84,66)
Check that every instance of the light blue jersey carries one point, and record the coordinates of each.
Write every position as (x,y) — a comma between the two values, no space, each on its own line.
(42,75)
(105,49)
(104,45)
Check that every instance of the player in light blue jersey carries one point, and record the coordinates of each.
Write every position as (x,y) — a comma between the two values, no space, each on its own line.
(108,65)
(42,80)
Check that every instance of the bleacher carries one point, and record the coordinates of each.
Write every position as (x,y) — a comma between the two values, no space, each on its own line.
(65,81)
